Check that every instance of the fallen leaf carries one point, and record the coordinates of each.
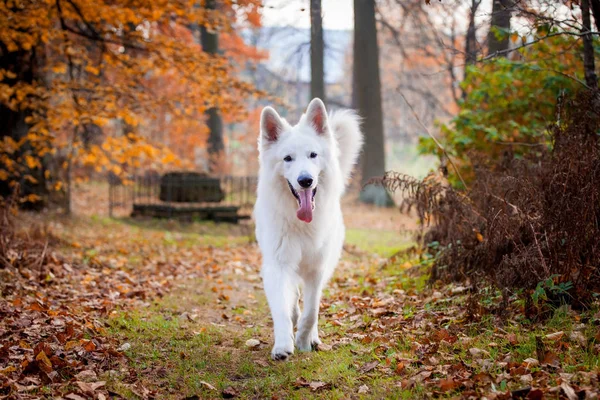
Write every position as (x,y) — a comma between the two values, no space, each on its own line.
(483,377)
(73,396)
(8,370)
(448,384)
(555,335)
(400,367)
(124,347)
(71,344)
(362,389)
(252,343)
(568,391)
(526,378)
(368,367)
(531,362)
(43,362)
(208,385)
(535,394)
(89,388)
(578,337)
(262,363)
(421,376)
(378,312)
(314,386)
(512,339)
(229,392)
(478,353)
(551,359)
(323,347)
(87,376)
(89,346)
(301,382)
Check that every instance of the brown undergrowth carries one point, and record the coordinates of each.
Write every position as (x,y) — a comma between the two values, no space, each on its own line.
(529,224)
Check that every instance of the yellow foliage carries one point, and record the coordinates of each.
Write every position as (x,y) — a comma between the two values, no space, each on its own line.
(60,68)
(92,70)
(32,162)
(108,99)
(31,179)
(31,198)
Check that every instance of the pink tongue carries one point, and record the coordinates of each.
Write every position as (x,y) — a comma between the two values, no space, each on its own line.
(304,213)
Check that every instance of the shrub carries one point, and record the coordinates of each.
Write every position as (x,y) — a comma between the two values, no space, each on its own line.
(523,220)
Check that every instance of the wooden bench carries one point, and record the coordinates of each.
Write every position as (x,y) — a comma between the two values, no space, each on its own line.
(188,196)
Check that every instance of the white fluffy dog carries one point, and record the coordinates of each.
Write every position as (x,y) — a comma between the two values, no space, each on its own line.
(299,226)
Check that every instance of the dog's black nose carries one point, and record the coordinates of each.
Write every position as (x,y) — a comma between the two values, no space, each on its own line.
(305,181)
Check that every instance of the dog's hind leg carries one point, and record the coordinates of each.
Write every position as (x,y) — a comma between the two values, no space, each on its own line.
(307,337)
(296,308)
(280,293)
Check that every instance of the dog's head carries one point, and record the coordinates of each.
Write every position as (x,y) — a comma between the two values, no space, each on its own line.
(297,153)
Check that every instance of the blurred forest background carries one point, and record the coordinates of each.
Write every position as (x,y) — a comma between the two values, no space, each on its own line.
(482,125)
(181,85)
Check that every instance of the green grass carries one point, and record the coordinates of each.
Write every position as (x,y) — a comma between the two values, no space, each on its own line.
(183,234)
(177,355)
(384,243)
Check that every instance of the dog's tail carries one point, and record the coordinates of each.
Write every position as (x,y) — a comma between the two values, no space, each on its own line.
(345,125)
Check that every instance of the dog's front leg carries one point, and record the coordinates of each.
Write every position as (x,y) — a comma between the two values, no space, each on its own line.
(307,337)
(280,294)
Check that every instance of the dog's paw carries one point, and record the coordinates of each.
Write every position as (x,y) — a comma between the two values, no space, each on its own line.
(315,342)
(307,343)
(281,353)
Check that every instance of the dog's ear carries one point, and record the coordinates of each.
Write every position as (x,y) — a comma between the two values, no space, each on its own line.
(316,115)
(270,124)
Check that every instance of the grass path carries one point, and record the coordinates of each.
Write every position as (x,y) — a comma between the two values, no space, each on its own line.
(192,322)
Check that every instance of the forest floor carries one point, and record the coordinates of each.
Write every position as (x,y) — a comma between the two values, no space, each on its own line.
(120,308)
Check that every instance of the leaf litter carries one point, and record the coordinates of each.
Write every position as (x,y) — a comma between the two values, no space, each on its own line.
(55,304)
(57,291)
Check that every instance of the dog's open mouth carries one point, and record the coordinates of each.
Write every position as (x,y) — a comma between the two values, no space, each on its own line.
(306,202)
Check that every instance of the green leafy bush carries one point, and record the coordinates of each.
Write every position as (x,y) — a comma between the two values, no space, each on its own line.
(510,104)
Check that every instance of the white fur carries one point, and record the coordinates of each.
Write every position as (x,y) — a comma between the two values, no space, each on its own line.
(295,253)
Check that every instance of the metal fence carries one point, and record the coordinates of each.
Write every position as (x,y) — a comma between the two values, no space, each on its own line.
(227,198)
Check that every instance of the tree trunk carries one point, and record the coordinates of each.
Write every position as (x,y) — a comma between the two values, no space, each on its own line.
(24,65)
(596,12)
(471,40)
(214,144)
(368,100)
(317,76)
(500,23)
(589,65)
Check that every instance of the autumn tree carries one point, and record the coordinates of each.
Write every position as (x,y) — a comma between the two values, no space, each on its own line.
(80,82)
(418,70)
(509,101)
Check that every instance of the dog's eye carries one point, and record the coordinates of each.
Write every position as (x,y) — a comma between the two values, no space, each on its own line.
(313,155)
(287,158)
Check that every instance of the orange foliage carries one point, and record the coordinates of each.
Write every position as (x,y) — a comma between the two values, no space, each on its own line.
(121,84)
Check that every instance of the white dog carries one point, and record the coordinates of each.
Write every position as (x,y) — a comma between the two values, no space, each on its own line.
(299,224)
